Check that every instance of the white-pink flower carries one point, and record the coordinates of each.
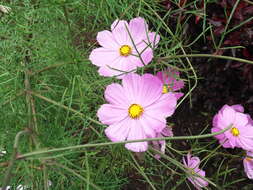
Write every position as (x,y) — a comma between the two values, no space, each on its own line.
(137,109)
(122,45)
(248,164)
(192,163)
(241,133)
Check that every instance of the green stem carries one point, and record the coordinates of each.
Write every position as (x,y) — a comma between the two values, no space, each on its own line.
(228,22)
(120,142)
(207,55)
(78,175)
(66,15)
(7,176)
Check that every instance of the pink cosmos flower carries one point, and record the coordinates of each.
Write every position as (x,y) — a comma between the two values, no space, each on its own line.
(248,164)
(241,133)
(137,109)
(171,81)
(161,145)
(192,163)
(119,53)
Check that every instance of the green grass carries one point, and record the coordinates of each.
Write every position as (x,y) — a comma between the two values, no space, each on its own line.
(44,49)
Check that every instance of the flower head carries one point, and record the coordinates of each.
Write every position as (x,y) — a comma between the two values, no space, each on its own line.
(171,82)
(241,133)
(137,109)
(192,163)
(122,45)
(248,164)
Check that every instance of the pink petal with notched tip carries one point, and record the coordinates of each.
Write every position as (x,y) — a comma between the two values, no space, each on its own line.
(238,107)
(178,95)
(106,40)
(119,131)
(136,132)
(228,115)
(143,90)
(138,28)
(177,85)
(120,33)
(102,57)
(147,126)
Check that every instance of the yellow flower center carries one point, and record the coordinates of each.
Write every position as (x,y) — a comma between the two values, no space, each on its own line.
(135,111)
(248,159)
(125,50)
(165,89)
(235,132)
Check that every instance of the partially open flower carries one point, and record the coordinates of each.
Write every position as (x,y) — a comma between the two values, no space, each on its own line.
(137,109)
(241,133)
(248,164)
(192,163)
(171,82)
(161,145)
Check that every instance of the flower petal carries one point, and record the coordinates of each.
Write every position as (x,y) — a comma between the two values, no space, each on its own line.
(145,57)
(199,181)
(194,162)
(115,94)
(245,143)
(163,107)
(120,33)
(118,131)
(153,39)
(228,115)
(220,136)
(106,39)
(143,90)
(138,29)
(241,120)
(109,114)
(152,125)
(101,56)
(177,85)
(115,68)
(248,167)
(136,132)
(238,107)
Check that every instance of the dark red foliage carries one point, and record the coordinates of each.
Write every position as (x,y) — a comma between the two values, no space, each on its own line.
(243,36)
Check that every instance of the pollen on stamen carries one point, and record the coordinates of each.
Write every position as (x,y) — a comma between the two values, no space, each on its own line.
(235,132)
(165,89)
(125,50)
(135,111)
